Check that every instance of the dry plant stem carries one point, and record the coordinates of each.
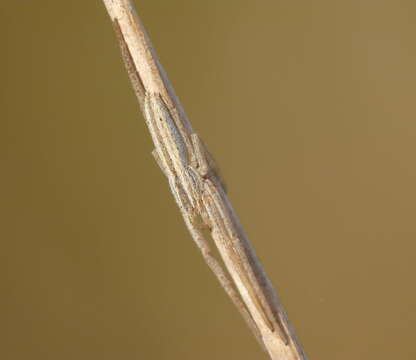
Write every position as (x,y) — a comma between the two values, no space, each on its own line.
(198,190)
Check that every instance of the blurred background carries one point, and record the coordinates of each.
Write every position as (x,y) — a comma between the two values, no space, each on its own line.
(308,106)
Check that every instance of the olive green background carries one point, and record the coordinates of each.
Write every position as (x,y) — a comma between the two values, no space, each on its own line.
(309,108)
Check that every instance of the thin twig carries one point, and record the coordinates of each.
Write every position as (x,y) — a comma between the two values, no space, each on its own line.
(198,190)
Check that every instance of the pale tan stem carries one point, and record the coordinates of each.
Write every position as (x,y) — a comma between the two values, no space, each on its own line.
(198,190)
